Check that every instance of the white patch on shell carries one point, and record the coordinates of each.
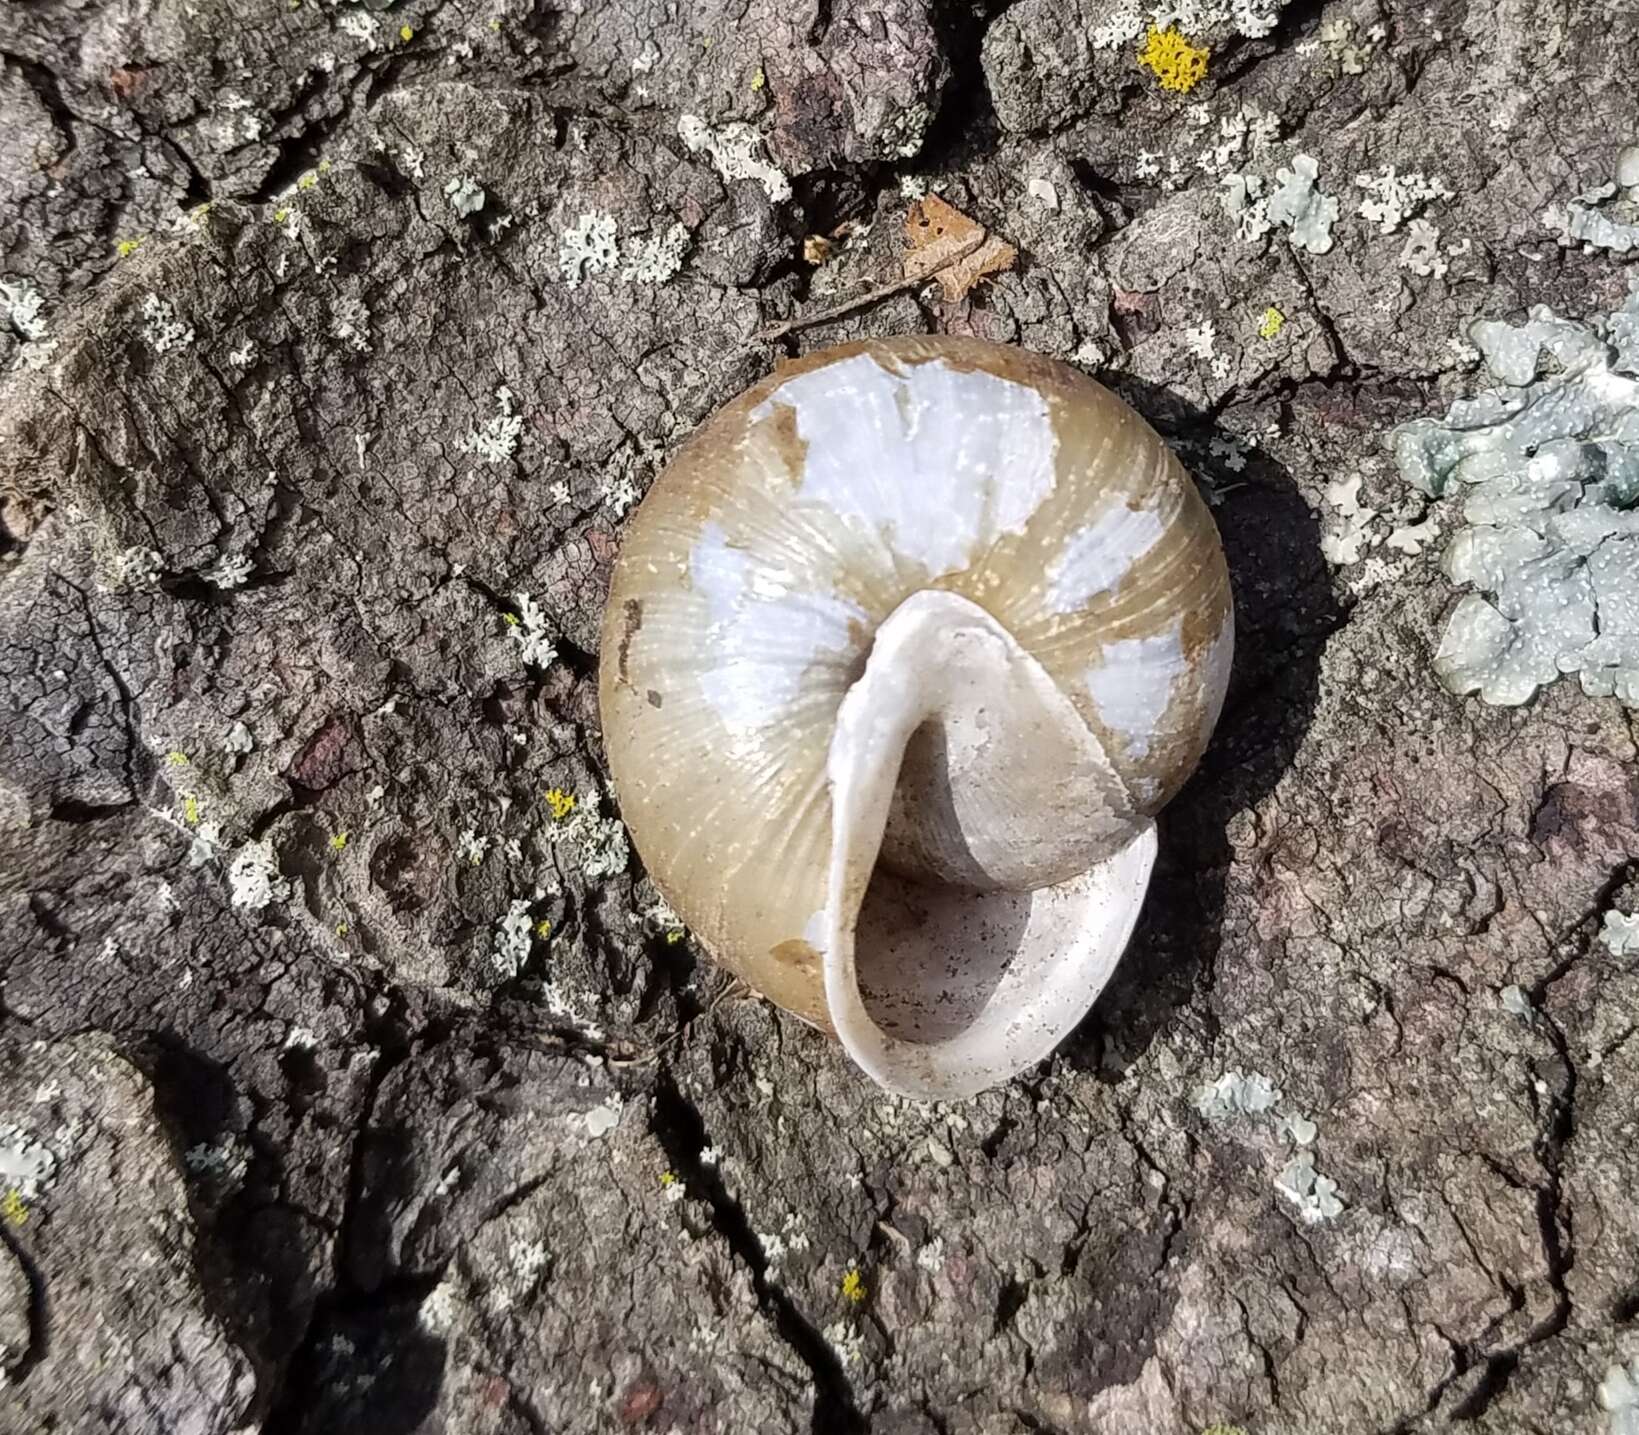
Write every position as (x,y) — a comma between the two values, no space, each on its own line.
(765,632)
(1096,558)
(1131,685)
(936,463)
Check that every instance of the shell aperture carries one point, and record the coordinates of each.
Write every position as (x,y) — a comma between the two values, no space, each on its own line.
(903,651)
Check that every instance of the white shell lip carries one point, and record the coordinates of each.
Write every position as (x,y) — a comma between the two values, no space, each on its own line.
(935,992)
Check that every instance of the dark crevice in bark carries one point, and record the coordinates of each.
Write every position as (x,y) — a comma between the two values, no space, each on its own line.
(36,1311)
(965,125)
(298,1388)
(1554,1226)
(127,704)
(1555,1231)
(66,809)
(681,1131)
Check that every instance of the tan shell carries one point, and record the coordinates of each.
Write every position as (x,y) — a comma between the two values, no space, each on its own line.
(932,600)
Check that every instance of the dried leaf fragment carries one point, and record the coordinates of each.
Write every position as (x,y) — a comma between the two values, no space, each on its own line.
(955,249)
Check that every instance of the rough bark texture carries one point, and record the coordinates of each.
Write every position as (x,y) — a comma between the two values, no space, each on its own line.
(358,1158)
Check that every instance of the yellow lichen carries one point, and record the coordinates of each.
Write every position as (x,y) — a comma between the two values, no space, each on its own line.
(127,247)
(341,929)
(758,80)
(560,803)
(510,619)
(338,842)
(190,809)
(1176,63)
(543,929)
(1273,322)
(13,1208)
(668,1178)
(307,181)
(176,758)
(675,936)
(406,32)
(853,1287)
(281,214)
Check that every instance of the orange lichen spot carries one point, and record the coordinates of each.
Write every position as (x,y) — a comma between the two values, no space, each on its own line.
(1176,63)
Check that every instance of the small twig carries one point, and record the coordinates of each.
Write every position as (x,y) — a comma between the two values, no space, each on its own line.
(871,296)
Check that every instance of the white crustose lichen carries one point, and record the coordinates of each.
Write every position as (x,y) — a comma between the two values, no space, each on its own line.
(530,633)
(597,845)
(655,259)
(161,328)
(21,303)
(737,152)
(1395,197)
(229,571)
(588,247)
(513,938)
(497,440)
(253,877)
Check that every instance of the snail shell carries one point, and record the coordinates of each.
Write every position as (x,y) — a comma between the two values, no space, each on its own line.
(903,652)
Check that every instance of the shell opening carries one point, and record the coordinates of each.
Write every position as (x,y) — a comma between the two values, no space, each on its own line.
(944,985)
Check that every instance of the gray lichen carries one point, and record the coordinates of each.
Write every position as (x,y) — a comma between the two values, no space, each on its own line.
(465,195)
(1549,475)
(1605,217)
(25,1165)
(1619,1394)
(1298,204)
(1236,1094)
(736,150)
(1314,1195)
(1620,934)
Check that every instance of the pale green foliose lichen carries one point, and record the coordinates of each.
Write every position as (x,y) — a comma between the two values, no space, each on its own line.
(1547,474)
(26,1165)
(1619,1394)
(1620,934)
(1605,217)
(1298,204)
(1314,1195)
(1236,1094)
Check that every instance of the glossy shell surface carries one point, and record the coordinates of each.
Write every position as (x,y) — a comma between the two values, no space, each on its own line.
(755,578)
